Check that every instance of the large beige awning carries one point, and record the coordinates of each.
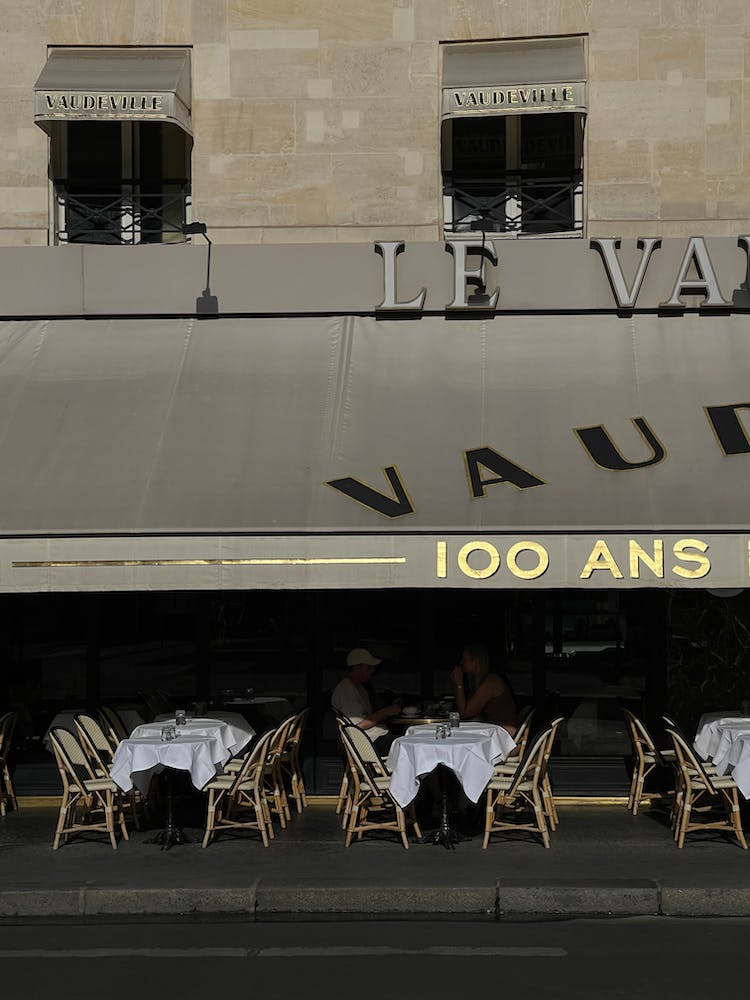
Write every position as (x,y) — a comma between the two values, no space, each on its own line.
(514,77)
(144,84)
(582,451)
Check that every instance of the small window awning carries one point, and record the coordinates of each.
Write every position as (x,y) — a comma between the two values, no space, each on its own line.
(144,84)
(514,77)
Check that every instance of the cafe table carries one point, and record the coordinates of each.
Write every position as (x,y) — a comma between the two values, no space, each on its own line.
(200,748)
(231,730)
(737,758)
(708,735)
(470,751)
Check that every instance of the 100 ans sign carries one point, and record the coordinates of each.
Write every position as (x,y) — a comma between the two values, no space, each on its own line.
(529,560)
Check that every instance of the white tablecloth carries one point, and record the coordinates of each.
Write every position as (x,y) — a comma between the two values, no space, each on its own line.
(708,733)
(728,733)
(137,759)
(469,752)
(230,736)
(738,758)
(66,720)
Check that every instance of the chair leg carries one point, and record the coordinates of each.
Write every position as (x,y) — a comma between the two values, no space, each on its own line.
(61,821)
(733,806)
(210,818)
(401,823)
(109,818)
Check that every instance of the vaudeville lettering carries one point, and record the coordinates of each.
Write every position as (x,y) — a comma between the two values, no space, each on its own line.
(495,97)
(598,445)
(695,260)
(115,103)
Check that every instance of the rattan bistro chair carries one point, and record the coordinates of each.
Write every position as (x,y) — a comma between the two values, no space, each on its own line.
(7,792)
(115,728)
(95,743)
(81,789)
(273,777)
(509,796)
(232,796)
(695,785)
(646,758)
(290,760)
(370,785)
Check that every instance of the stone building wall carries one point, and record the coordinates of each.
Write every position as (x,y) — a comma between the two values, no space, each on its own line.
(318,120)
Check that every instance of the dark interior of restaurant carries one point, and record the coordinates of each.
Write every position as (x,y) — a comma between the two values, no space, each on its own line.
(584,655)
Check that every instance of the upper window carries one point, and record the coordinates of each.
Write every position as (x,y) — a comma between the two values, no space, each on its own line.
(119,121)
(512,137)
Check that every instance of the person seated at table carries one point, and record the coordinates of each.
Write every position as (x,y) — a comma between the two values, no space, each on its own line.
(351,698)
(481,693)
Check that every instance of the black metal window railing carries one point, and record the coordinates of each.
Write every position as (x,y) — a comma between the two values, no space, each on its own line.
(134,211)
(516,204)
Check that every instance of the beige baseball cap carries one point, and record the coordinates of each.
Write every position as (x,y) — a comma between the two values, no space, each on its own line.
(359,655)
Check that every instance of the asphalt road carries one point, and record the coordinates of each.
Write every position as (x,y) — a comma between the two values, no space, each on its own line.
(635,958)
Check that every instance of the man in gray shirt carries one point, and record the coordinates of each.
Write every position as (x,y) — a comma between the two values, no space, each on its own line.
(350,697)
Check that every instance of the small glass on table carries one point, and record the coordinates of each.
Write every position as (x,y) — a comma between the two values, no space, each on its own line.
(179,717)
(454,720)
(168,733)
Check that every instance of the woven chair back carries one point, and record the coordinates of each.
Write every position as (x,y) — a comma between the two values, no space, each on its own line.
(253,761)
(94,739)
(363,755)
(114,719)
(70,755)
(688,761)
(532,761)
(7,728)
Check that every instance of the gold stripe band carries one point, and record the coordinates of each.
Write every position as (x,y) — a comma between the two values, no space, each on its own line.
(341,561)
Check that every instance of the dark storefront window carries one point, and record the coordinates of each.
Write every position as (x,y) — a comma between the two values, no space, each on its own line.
(515,174)
(121,182)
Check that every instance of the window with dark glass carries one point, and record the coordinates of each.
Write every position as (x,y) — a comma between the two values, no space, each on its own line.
(512,137)
(121,182)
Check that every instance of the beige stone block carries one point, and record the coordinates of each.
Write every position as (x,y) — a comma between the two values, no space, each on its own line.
(211,78)
(682,198)
(334,20)
(371,125)
(373,190)
(724,155)
(403,24)
(736,12)
(616,14)
(616,65)
(718,110)
(24,206)
(369,234)
(480,19)
(725,54)
(367,70)
(230,212)
(210,21)
(624,229)
(613,40)
(623,201)
(298,234)
(63,30)
(723,107)
(273,74)
(320,89)
(275,38)
(24,237)
(23,59)
(678,158)
(681,13)
(619,160)
(680,50)
(315,126)
(236,234)
(647,110)
(424,60)
(244,126)
(733,197)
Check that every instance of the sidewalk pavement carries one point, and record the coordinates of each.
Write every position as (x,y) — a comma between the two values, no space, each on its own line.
(602,862)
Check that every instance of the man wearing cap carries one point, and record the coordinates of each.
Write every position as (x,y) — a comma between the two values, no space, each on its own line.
(351,698)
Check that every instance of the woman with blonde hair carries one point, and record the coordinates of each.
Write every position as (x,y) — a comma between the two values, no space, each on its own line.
(482,693)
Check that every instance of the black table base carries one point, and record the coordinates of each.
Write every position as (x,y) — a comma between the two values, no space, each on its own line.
(446,834)
(172,833)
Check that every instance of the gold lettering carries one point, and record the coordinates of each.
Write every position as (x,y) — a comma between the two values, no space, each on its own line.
(442,560)
(601,558)
(703,562)
(512,97)
(156,103)
(567,93)
(63,102)
(459,97)
(527,574)
(478,574)
(525,94)
(472,98)
(553,94)
(654,562)
(51,101)
(88,102)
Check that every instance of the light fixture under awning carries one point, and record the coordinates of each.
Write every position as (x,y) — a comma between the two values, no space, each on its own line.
(514,77)
(144,84)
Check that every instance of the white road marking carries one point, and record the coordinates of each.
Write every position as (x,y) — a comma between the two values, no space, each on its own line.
(330,951)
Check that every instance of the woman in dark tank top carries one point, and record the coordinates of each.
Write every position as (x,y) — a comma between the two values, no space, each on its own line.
(480,693)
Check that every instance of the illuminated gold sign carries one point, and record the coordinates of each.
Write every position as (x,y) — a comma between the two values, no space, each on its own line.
(109,103)
(474,100)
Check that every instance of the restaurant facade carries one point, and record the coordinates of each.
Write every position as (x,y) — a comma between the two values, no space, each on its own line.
(399,327)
